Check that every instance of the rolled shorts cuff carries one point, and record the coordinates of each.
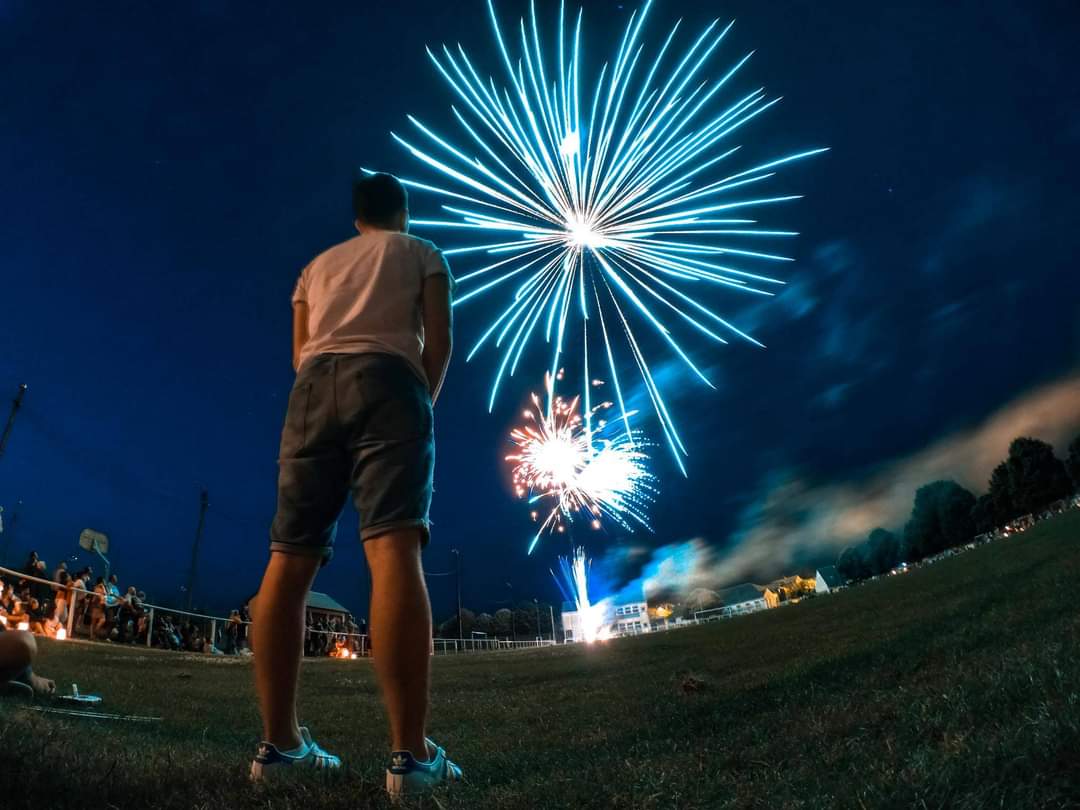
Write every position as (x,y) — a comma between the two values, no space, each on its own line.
(370,532)
(303,550)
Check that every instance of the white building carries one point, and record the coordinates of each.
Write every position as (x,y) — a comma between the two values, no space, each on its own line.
(828,579)
(573,629)
(628,619)
(631,619)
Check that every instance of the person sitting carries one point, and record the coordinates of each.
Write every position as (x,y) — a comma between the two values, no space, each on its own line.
(37,616)
(17,652)
(99,620)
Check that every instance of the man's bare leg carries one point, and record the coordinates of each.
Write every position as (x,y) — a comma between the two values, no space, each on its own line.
(401,635)
(277,639)
(17,652)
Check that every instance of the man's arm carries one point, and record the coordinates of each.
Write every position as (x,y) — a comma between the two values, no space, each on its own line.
(299,331)
(438,331)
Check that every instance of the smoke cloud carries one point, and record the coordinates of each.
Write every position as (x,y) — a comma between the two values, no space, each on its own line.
(796,523)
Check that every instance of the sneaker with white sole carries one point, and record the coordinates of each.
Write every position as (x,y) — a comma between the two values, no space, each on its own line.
(408,775)
(269,761)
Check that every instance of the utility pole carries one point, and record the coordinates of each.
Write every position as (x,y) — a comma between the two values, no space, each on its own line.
(204,501)
(457,580)
(536,605)
(551,612)
(11,417)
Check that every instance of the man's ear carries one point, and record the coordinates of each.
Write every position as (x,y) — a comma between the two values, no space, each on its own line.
(356,224)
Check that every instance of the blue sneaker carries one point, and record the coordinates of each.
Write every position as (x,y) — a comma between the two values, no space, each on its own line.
(270,762)
(407,775)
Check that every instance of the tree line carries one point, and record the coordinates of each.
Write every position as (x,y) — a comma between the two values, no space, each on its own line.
(526,621)
(946,515)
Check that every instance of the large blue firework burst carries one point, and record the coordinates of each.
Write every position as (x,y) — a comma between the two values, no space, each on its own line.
(618,202)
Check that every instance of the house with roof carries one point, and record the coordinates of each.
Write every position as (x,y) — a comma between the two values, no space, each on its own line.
(321,606)
(828,579)
(743,598)
(738,600)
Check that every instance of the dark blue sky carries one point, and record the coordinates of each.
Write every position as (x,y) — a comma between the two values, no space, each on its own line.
(166,173)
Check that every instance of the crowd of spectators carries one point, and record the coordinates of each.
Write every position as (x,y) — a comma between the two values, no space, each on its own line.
(96,608)
(336,636)
(47,605)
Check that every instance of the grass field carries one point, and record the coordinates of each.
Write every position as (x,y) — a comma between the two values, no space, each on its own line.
(956,686)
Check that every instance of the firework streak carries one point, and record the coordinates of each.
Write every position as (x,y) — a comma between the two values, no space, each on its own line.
(618,199)
(573,581)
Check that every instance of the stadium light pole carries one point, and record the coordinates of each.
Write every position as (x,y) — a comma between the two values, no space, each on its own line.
(457,580)
(204,501)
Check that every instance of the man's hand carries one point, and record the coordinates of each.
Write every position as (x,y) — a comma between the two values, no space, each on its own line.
(299,332)
(438,332)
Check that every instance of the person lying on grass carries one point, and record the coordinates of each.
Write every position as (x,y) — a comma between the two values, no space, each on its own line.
(17,652)
(371,343)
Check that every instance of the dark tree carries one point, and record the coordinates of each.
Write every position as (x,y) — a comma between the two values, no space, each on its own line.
(1072,463)
(485,623)
(881,552)
(983,514)
(999,497)
(449,628)
(504,623)
(940,519)
(850,563)
(1037,477)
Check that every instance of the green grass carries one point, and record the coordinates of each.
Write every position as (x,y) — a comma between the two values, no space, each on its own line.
(956,686)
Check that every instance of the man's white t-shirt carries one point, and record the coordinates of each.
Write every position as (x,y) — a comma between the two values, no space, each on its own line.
(365,295)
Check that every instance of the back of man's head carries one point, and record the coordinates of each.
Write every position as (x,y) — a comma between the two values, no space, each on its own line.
(379,200)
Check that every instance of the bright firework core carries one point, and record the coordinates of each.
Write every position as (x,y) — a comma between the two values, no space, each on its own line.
(583,234)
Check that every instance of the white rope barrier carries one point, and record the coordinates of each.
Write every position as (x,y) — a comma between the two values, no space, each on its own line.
(443,646)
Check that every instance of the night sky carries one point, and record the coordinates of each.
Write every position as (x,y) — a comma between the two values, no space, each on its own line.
(168,169)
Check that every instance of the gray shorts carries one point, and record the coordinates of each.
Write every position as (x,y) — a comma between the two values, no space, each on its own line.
(358,423)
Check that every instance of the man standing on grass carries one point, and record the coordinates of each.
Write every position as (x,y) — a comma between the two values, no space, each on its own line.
(371,343)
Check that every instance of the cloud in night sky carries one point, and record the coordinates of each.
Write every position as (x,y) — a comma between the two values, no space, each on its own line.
(796,523)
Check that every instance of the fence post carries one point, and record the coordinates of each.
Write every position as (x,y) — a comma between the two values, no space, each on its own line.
(213,635)
(71,613)
(150,629)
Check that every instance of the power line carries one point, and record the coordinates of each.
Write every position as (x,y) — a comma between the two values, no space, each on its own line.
(15,405)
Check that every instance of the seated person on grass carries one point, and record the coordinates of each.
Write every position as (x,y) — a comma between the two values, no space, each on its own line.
(17,652)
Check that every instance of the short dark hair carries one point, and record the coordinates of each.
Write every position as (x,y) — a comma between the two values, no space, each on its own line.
(378,198)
